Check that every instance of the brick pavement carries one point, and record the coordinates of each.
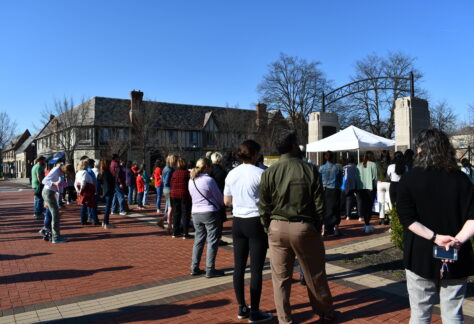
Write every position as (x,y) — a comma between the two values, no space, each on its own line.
(136,273)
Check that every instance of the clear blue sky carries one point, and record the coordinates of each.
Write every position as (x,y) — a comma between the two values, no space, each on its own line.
(216,52)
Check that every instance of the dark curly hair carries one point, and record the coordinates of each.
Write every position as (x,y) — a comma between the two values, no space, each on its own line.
(435,151)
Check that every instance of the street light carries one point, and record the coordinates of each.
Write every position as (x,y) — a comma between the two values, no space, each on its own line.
(194,151)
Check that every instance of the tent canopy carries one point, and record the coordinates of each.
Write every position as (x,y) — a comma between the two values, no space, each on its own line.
(351,139)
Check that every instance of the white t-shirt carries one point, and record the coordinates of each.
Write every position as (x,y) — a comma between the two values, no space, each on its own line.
(394,177)
(243,183)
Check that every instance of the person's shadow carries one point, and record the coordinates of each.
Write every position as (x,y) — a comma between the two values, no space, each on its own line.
(144,313)
(54,275)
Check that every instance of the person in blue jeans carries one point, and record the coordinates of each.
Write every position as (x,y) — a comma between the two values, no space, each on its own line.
(166,182)
(130,181)
(92,212)
(146,177)
(118,172)
(37,175)
(107,183)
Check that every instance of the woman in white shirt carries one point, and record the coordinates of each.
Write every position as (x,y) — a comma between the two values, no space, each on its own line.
(86,191)
(394,172)
(242,191)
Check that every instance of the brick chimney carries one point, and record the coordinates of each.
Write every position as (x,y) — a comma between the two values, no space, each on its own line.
(261,115)
(136,98)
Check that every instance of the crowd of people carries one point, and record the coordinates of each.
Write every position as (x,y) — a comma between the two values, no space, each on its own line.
(287,209)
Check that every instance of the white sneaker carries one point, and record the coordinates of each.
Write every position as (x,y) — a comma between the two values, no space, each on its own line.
(157,211)
(361,219)
(123,213)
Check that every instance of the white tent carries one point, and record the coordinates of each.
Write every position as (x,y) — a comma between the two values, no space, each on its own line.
(351,139)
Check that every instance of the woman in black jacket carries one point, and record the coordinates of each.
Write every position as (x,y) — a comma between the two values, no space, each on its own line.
(107,182)
(435,199)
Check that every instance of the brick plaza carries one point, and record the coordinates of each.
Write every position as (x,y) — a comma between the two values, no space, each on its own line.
(136,273)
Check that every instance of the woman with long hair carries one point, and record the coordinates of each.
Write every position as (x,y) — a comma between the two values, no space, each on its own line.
(383,185)
(107,181)
(394,172)
(180,199)
(207,200)
(366,186)
(350,185)
(86,191)
(435,200)
(166,180)
(242,192)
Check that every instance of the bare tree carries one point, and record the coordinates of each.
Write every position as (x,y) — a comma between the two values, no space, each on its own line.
(7,129)
(295,87)
(374,109)
(442,117)
(116,143)
(69,127)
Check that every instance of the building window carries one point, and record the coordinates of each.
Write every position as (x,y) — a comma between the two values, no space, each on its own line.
(193,138)
(210,139)
(83,134)
(173,137)
(104,135)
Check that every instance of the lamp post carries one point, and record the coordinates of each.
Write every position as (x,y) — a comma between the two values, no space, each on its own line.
(194,152)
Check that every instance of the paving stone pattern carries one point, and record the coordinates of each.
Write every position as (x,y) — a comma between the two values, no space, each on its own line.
(136,273)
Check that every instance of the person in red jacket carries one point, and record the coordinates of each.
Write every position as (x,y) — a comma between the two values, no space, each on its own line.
(140,188)
(180,199)
(158,184)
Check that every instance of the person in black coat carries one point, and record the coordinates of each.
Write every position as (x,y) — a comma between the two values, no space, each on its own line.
(435,200)
(107,182)
(219,174)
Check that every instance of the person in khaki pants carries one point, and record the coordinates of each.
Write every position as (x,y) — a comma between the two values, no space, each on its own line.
(291,208)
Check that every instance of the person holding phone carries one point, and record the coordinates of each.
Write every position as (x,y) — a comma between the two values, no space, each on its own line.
(435,199)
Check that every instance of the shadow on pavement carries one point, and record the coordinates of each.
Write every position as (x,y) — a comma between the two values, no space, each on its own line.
(9,257)
(54,275)
(144,313)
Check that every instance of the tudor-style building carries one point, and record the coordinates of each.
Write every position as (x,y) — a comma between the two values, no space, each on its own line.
(18,156)
(146,130)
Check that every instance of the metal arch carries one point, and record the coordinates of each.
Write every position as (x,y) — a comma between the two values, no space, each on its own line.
(365,85)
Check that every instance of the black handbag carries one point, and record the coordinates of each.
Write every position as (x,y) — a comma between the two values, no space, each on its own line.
(221,210)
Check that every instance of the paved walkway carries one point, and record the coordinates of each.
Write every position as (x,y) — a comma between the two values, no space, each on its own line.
(136,273)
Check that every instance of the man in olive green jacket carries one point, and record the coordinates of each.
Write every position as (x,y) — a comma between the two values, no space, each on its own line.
(292,208)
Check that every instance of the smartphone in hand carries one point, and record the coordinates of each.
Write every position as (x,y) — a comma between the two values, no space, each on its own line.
(440,252)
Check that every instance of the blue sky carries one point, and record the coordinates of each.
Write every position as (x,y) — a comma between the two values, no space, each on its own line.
(216,52)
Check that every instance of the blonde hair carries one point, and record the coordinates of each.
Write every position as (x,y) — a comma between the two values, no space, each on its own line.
(83,165)
(201,165)
(216,157)
(171,160)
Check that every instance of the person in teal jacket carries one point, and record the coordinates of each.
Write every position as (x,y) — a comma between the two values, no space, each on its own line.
(366,189)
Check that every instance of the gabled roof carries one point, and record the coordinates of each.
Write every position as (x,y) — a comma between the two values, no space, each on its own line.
(18,140)
(25,144)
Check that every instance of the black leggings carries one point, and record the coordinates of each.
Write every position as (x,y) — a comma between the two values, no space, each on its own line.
(365,201)
(181,212)
(248,235)
(393,192)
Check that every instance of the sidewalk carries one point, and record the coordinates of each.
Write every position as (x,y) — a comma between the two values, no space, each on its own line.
(136,273)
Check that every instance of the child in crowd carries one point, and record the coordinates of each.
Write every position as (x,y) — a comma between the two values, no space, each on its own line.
(140,189)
